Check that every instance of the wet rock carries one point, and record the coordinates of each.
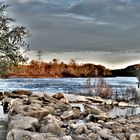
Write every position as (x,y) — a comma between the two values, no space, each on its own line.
(21,122)
(53,128)
(135,136)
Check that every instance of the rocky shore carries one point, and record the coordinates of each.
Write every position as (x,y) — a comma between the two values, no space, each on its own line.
(66,117)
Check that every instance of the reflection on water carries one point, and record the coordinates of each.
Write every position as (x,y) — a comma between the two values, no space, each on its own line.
(120,111)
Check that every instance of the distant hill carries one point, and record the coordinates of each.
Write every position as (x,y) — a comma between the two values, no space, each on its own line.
(133,70)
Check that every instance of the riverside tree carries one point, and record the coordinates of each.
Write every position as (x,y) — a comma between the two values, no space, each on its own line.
(12,42)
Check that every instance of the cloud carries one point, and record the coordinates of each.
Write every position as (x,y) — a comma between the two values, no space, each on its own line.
(81,25)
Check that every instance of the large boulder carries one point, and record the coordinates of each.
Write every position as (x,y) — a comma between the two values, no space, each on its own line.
(22,122)
(52,128)
(135,136)
(76,98)
(17,134)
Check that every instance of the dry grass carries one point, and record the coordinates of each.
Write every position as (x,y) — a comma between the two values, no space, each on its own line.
(98,87)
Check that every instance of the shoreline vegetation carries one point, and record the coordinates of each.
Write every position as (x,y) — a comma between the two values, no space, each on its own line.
(56,69)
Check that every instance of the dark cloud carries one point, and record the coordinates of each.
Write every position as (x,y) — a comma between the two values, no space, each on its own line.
(79,25)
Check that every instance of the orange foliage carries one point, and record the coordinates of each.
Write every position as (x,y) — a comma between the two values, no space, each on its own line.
(59,69)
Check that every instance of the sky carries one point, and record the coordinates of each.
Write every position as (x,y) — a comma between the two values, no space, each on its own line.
(103,32)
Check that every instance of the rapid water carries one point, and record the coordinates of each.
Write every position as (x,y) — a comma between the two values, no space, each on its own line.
(64,85)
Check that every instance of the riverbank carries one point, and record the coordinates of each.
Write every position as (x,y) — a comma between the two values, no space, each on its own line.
(67,117)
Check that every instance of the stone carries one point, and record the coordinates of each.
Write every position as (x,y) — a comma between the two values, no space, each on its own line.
(22,92)
(78,105)
(64,100)
(76,98)
(93,136)
(68,115)
(52,128)
(53,119)
(17,134)
(80,137)
(105,133)
(92,110)
(38,113)
(135,136)
(22,122)
(123,104)
(94,126)
(108,102)
(96,99)
(82,130)
(67,138)
(58,96)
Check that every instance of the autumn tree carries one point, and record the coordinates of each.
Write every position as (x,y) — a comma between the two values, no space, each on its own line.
(12,41)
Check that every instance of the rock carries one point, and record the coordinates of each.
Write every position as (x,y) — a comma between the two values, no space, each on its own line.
(94,126)
(53,128)
(21,122)
(78,105)
(82,130)
(80,137)
(64,100)
(93,136)
(22,92)
(17,134)
(135,136)
(37,113)
(15,106)
(53,119)
(55,103)
(67,138)
(108,102)
(92,110)
(58,96)
(123,104)
(76,98)
(105,133)
(96,99)
(68,115)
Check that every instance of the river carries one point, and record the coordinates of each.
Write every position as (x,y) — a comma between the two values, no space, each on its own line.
(64,85)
